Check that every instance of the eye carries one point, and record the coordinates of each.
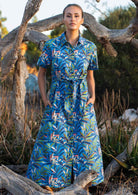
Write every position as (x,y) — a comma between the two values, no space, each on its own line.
(68,15)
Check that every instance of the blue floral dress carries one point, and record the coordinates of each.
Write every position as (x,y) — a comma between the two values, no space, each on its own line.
(68,136)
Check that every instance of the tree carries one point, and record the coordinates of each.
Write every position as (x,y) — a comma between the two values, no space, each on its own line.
(33,51)
(3,29)
(32,54)
(11,61)
(118,73)
(57,31)
(15,60)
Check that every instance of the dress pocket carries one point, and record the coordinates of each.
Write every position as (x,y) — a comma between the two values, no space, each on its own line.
(89,108)
(47,113)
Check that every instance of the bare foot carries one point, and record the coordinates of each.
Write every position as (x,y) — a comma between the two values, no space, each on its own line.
(48,188)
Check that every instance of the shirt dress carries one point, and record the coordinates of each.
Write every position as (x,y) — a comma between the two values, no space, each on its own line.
(68,138)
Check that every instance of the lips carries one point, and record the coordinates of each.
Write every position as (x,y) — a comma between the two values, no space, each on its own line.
(72,24)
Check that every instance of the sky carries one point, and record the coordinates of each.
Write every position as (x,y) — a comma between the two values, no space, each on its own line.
(13,9)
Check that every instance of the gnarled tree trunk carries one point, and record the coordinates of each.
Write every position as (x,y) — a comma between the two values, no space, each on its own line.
(20,71)
(19,92)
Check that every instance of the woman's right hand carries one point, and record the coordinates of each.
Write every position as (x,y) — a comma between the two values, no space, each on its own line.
(47,102)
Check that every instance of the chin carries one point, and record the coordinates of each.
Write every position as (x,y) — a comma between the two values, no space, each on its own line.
(73,28)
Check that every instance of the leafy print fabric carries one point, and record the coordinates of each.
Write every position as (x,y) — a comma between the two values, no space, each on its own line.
(68,137)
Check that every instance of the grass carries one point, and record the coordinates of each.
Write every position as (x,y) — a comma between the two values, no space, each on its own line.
(115,137)
(113,141)
(10,151)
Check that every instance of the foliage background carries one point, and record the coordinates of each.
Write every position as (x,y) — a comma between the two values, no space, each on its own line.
(118,73)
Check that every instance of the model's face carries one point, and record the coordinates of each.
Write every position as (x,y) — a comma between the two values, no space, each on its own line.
(73,18)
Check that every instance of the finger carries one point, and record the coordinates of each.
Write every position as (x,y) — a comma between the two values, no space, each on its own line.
(49,103)
(87,102)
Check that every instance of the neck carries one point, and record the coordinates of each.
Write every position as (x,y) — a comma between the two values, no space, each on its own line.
(72,37)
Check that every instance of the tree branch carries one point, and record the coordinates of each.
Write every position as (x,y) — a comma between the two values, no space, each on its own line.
(135,2)
(100,31)
(10,179)
(103,34)
(35,37)
(114,166)
(134,42)
(11,57)
(41,26)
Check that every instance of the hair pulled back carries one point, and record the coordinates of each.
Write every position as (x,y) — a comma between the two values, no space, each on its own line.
(76,5)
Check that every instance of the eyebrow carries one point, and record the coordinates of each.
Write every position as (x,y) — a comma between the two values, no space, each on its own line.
(71,13)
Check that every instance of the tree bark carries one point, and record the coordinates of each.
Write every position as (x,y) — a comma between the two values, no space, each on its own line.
(20,73)
(35,37)
(18,106)
(114,166)
(11,57)
(19,185)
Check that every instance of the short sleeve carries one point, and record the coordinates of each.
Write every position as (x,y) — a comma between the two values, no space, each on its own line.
(45,58)
(93,64)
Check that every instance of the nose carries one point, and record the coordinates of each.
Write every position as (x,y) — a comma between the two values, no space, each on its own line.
(72,18)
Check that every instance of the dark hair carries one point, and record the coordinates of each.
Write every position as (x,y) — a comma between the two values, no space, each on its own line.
(76,5)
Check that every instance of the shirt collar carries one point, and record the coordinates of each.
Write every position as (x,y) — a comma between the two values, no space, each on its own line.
(64,40)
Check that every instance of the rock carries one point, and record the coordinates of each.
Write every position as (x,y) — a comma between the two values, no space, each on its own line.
(130,115)
(104,126)
(136,187)
(116,121)
(121,191)
(32,84)
(102,130)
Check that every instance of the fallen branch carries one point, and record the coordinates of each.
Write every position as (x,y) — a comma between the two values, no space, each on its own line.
(35,37)
(9,179)
(114,166)
(40,26)
(19,185)
(20,169)
(134,43)
(100,31)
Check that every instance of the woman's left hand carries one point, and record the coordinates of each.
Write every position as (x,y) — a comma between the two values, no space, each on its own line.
(90,100)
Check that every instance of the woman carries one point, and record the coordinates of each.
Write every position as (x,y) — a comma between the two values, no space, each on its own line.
(68,141)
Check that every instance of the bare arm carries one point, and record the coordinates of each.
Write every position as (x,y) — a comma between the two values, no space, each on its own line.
(91,86)
(42,85)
